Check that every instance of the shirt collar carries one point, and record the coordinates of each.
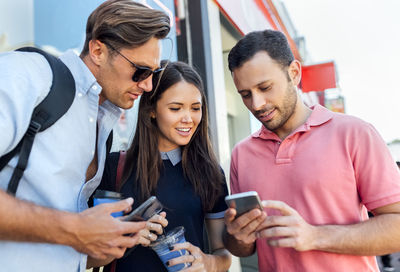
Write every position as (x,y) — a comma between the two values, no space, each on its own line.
(319,116)
(84,79)
(175,156)
(109,112)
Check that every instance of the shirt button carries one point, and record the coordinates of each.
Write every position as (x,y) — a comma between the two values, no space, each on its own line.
(79,95)
(91,119)
(94,87)
(92,152)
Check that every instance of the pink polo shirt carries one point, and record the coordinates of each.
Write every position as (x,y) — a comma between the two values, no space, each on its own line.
(331,170)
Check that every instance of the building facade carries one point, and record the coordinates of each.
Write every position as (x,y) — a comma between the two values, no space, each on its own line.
(203,32)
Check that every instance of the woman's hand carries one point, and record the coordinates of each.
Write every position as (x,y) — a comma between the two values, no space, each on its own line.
(154,227)
(198,260)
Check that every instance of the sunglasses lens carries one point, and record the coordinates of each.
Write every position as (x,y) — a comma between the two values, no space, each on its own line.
(141,74)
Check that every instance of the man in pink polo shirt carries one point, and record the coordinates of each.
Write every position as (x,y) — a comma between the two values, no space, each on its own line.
(318,173)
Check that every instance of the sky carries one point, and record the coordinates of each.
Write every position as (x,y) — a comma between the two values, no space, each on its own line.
(362,37)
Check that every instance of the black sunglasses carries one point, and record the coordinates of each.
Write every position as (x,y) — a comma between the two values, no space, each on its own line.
(142,72)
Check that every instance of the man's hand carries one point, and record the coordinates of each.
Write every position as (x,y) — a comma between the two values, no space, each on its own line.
(102,236)
(245,226)
(240,233)
(286,230)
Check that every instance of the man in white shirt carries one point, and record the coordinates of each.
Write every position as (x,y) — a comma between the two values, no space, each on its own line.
(47,226)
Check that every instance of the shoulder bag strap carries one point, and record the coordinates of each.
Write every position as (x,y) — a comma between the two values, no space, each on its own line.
(118,178)
(120,170)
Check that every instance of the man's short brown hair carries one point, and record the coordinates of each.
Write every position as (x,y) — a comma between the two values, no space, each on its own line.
(125,23)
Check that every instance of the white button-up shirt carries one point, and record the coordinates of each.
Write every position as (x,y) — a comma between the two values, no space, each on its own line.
(56,171)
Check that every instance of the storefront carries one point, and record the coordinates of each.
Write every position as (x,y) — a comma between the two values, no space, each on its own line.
(203,31)
(210,29)
(228,21)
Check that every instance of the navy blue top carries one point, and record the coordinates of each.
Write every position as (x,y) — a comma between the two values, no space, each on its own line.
(182,205)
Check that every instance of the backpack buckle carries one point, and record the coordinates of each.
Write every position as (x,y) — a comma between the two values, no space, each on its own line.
(33,128)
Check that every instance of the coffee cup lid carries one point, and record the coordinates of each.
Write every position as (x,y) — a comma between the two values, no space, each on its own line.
(107,194)
(170,238)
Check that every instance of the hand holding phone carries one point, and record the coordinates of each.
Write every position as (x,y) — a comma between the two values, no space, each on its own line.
(244,202)
(145,211)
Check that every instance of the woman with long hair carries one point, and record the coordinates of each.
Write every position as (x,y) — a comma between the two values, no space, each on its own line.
(171,157)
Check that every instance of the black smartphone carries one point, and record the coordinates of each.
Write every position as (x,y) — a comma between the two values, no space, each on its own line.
(244,202)
(145,211)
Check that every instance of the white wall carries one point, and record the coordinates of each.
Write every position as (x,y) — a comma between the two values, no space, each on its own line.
(218,99)
(395,150)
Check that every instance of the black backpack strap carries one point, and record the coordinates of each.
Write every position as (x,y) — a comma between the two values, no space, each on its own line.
(25,150)
(55,104)
(61,95)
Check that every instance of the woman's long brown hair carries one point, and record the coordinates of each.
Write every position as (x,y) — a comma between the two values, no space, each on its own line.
(199,163)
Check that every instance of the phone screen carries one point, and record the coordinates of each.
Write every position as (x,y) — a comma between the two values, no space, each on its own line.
(244,202)
(145,211)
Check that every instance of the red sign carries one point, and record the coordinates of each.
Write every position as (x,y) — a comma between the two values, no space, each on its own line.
(318,77)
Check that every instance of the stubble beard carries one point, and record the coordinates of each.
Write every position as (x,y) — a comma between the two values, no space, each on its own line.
(284,111)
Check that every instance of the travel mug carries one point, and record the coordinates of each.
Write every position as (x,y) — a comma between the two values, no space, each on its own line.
(102,196)
(163,244)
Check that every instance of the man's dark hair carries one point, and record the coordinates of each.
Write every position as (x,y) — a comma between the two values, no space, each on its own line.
(271,41)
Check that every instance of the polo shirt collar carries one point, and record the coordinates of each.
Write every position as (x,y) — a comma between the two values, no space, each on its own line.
(174,156)
(318,116)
